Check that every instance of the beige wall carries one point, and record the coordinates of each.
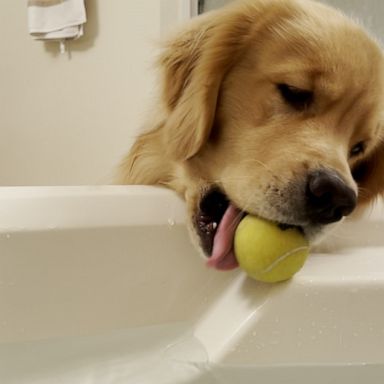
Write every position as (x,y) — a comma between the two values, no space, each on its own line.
(69,120)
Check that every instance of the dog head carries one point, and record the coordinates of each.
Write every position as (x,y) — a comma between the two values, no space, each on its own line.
(271,108)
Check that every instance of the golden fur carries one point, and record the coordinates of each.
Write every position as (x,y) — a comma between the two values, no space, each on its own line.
(221,120)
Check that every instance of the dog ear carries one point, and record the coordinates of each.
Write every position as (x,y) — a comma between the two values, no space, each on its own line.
(369,175)
(194,65)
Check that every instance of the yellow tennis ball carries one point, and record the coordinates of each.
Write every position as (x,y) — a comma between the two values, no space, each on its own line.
(266,252)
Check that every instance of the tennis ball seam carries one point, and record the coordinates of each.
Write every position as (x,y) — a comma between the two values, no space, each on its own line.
(283,257)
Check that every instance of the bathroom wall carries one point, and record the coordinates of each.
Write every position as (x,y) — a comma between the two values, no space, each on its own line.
(68,119)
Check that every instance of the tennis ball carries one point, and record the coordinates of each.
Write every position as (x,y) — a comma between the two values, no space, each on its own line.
(266,252)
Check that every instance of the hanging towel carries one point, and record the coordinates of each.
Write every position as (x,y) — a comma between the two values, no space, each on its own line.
(56,19)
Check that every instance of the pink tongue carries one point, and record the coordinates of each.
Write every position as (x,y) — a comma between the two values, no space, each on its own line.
(223,255)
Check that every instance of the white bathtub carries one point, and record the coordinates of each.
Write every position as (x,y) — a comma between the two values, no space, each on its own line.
(101,285)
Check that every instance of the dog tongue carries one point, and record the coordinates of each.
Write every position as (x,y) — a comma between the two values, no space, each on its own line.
(223,255)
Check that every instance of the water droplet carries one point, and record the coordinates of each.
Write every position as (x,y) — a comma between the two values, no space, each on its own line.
(8,236)
(171,222)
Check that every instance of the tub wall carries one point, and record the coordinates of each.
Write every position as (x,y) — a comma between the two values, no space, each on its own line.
(67,121)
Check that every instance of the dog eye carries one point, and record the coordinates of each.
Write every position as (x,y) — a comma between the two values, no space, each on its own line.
(300,99)
(358,149)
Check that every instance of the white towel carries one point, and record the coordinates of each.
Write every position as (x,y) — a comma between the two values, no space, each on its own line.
(56,19)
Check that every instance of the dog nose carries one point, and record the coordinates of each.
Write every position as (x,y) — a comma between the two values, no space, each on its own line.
(329,198)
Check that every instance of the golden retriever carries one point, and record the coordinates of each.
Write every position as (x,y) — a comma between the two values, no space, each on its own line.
(270,107)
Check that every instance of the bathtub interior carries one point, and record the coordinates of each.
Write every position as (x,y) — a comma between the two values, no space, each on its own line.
(102,285)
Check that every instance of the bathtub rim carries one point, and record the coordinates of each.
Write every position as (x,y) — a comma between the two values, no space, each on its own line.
(61,207)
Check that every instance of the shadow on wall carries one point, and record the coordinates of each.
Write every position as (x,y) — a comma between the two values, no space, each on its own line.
(91,31)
